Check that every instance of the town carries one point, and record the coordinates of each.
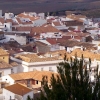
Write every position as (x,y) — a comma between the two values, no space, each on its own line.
(32,45)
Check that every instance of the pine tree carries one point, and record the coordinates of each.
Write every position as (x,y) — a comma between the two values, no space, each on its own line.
(28,97)
(72,82)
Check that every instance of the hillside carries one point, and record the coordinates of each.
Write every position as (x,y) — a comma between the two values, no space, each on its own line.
(18,6)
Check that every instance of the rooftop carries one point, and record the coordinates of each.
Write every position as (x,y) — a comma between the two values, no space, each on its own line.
(4,64)
(36,75)
(18,89)
(3,52)
(34,58)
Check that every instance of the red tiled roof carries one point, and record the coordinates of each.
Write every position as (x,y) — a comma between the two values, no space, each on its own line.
(57,23)
(2,20)
(24,23)
(9,20)
(24,15)
(43,29)
(51,41)
(23,28)
(18,89)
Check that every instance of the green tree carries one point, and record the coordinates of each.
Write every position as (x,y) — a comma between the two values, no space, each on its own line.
(28,98)
(72,82)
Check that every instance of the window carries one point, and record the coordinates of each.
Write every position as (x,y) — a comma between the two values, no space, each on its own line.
(36,82)
(41,69)
(0,74)
(2,85)
(34,69)
(50,68)
(3,57)
(12,71)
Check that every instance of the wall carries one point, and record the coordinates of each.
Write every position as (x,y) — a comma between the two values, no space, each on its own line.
(96,31)
(39,22)
(44,67)
(8,27)
(20,39)
(26,95)
(9,15)
(96,42)
(41,15)
(7,79)
(24,68)
(1,36)
(42,50)
(6,71)
(62,47)
(55,47)
(7,94)
(15,69)
(5,58)
(38,65)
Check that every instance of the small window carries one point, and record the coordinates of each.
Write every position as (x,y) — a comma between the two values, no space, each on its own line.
(0,74)
(41,69)
(34,69)
(2,85)
(3,57)
(50,68)
(36,82)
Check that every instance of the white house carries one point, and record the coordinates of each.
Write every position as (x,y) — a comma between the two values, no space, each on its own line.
(30,62)
(9,15)
(36,20)
(19,37)
(17,92)
(32,79)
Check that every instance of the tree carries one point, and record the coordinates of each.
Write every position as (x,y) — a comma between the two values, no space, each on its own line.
(72,82)
(28,98)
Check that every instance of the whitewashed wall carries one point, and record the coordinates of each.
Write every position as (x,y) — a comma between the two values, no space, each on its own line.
(6,71)
(38,65)
(8,27)
(44,67)
(28,94)
(20,39)
(7,94)
(7,79)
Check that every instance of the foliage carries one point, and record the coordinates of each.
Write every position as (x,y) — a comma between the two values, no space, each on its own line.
(28,98)
(72,82)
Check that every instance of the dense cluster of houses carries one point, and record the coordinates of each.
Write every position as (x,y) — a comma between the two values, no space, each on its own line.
(32,45)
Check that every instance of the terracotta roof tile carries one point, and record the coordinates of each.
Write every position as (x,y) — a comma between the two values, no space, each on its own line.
(3,52)
(51,41)
(24,15)
(36,75)
(2,20)
(18,89)
(24,23)
(23,28)
(13,63)
(73,23)
(35,58)
(4,64)
(57,23)
(86,54)
(43,29)
(9,20)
